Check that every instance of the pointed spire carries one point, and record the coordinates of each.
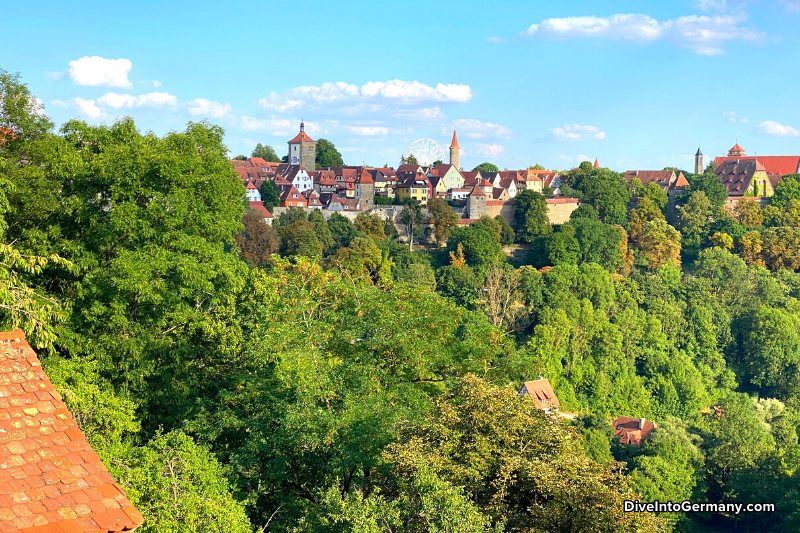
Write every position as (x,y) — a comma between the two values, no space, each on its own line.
(302,125)
(454,144)
(596,163)
(698,152)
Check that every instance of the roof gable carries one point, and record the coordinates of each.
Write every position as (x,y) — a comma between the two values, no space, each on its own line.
(44,454)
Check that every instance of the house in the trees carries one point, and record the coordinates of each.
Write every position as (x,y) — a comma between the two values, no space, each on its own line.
(746,178)
(263,211)
(416,186)
(50,478)
(296,175)
(291,197)
(632,430)
(448,175)
(542,394)
(312,199)
(253,194)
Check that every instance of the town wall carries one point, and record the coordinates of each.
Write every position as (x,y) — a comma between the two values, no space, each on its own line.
(558,209)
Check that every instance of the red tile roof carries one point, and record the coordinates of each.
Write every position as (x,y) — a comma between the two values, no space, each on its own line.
(541,392)
(596,163)
(259,206)
(633,430)
(662,178)
(50,478)
(477,191)
(302,137)
(454,144)
(774,164)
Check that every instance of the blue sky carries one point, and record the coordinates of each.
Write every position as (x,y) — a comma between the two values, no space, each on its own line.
(636,84)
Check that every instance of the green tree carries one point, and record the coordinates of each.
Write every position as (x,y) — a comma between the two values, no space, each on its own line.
(504,454)
(443,218)
(327,155)
(370,225)
(695,217)
(486,167)
(320,225)
(480,247)
(290,216)
(584,211)
(788,188)
(709,184)
(342,230)
(240,158)
(258,241)
(660,242)
(531,216)
(266,152)
(270,195)
(748,214)
(411,218)
(179,486)
(507,234)
(599,243)
(300,239)
(561,247)
(536,167)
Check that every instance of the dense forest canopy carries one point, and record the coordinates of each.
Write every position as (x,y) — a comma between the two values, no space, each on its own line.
(320,375)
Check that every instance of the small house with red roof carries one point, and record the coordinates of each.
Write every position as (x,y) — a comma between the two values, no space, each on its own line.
(542,394)
(263,211)
(633,430)
(291,197)
(253,194)
(51,481)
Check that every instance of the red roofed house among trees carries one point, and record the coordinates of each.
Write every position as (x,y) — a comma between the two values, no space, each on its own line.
(51,481)
(541,392)
(633,430)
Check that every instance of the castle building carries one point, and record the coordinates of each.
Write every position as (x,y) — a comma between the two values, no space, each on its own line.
(303,150)
(698,162)
(455,152)
(779,165)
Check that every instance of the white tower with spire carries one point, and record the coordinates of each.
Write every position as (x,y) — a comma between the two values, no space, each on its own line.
(698,162)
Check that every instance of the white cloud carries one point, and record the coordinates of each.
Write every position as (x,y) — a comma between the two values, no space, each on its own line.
(489,149)
(155,99)
(744,120)
(209,108)
(773,128)
(425,113)
(475,129)
(88,108)
(368,130)
(340,92)
(702,34)
(792,5)
(156,84)
(97,71)
(496,40)
(54,76)
(731,115)
(711,5)
(577,132)
(574,159)
(277,126)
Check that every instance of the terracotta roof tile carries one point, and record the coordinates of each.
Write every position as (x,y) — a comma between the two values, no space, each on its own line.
(50,479)
(780,165)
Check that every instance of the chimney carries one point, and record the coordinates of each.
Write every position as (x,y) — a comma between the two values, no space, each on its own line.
(641,423)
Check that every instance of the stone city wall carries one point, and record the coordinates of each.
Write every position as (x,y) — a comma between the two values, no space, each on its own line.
(558,209)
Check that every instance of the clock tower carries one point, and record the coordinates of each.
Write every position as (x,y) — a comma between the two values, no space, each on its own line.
(303,150)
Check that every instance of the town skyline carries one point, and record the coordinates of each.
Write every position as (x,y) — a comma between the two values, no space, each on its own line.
(636,85)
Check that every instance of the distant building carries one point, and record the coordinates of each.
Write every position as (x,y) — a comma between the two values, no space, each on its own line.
(778,165)
(698,162)
(416,186)
(663,178)
(746,178)
(632,430)
(455,152)
(303,150)
(291,197)
(259,206)
(253,194)
(541,392)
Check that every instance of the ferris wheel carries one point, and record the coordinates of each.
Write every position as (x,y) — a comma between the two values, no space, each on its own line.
(426,151)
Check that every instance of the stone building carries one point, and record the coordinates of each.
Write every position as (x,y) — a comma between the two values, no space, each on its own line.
(779,165)
(455,152)
(746,178)
(698,162)
(365,190)
(476,203)
(303,150)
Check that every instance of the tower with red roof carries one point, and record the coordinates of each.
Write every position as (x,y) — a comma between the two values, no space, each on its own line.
(303,150)
(455,152)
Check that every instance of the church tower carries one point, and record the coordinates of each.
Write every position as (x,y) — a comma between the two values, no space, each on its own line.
(455,152)
(698,162)
(303,150)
